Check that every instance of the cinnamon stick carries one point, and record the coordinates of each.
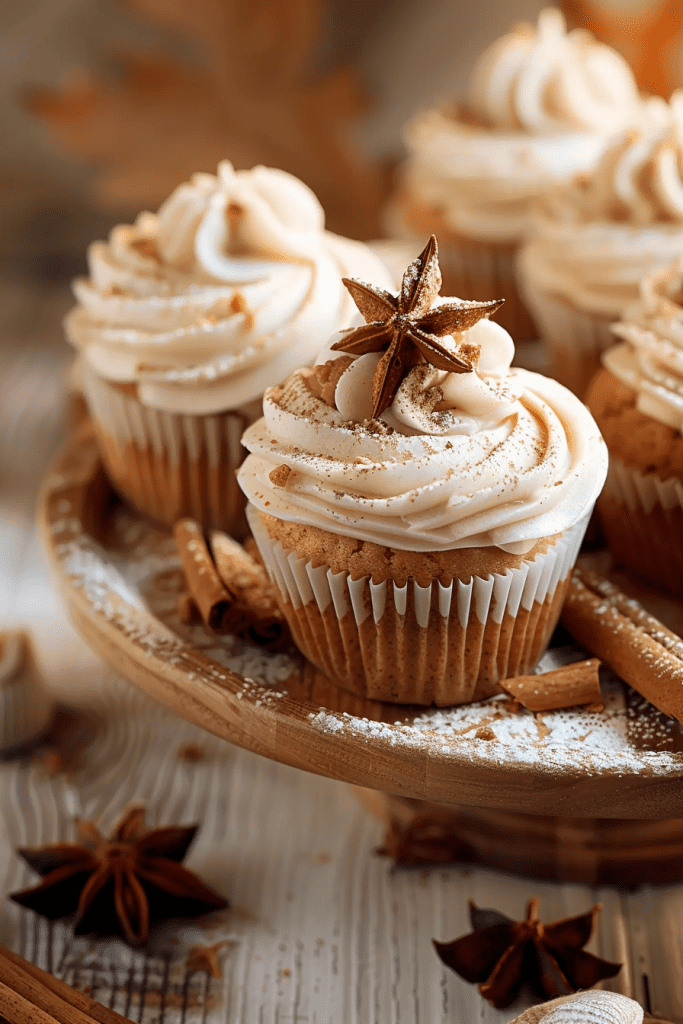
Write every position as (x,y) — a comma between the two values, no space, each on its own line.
(205,585)
(18,1010)
(636,645)
(564,687)
(255,609)
(29,995)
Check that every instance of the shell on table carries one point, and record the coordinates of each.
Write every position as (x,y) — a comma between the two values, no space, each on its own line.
(595,1007)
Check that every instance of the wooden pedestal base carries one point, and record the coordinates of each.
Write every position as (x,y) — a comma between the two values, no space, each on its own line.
(591,850)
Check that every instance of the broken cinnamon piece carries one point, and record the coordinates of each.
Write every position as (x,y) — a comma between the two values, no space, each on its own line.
(485,732)
(254,609)
(636,645)
(205,585)
(563,687)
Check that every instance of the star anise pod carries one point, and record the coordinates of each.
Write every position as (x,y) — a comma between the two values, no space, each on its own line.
(502,955)
(424,840)
(118,885)
(407,327)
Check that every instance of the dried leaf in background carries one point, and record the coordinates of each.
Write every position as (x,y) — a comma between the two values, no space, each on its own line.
(252,98)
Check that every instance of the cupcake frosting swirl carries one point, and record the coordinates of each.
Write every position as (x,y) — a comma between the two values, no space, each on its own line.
(542,104)
(593,240)
(650,357)
(639,179)
(497,456)
(224,290)
(545,80)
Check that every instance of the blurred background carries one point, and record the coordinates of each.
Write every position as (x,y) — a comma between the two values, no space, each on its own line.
(105,105)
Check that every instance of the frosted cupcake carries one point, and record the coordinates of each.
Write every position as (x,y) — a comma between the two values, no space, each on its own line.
(418,503)
(188,315)
(542,104)
(593,241)
(637,399)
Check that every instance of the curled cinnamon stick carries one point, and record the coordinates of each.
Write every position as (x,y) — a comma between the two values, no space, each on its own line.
(254,607)
(228,587)
(205,585)
(563,687)
(636,645)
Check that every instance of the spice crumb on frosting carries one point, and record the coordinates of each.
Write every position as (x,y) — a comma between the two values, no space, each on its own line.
(486,455)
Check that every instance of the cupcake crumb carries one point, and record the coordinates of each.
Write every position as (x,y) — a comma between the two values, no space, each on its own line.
(280,475)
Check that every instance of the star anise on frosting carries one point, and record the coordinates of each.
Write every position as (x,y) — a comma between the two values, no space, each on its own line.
(117,885)
(501,955)
(406,327)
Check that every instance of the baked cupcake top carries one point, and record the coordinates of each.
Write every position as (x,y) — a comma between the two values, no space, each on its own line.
(220,293)
(593,240)
(478,454)
(650,357)
(542,102)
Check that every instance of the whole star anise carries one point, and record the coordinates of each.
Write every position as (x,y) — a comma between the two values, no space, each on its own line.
(424,840)
(118,885)
(502,954)
(407,327)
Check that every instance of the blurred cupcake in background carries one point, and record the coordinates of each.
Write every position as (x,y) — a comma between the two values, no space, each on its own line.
(593,240)
(542,104)
(637,400)
(188,315)
(418,503)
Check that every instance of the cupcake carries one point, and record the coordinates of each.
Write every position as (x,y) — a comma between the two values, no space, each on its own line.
(418,503)
(188,315)
(637,400)
(542,104)
(593,240)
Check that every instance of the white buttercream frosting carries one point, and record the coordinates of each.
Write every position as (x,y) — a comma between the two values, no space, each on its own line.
(593,240)
(497,456)
(544,101)
(650,357)
(226,289)
(545,80)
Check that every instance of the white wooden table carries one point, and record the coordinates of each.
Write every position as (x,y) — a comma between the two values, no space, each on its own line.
(321,929)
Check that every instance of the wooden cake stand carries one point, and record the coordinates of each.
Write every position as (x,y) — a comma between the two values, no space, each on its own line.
(527,792)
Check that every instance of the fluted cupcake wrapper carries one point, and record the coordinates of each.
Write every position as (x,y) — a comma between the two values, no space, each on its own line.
(642,518)
(443,644)
(171,465)
(573,338)
(25,707)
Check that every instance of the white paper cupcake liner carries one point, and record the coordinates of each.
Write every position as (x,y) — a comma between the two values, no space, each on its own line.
(573,338)
(171,465)
(25,707)
(475,610)
(642,518)
(642,492)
